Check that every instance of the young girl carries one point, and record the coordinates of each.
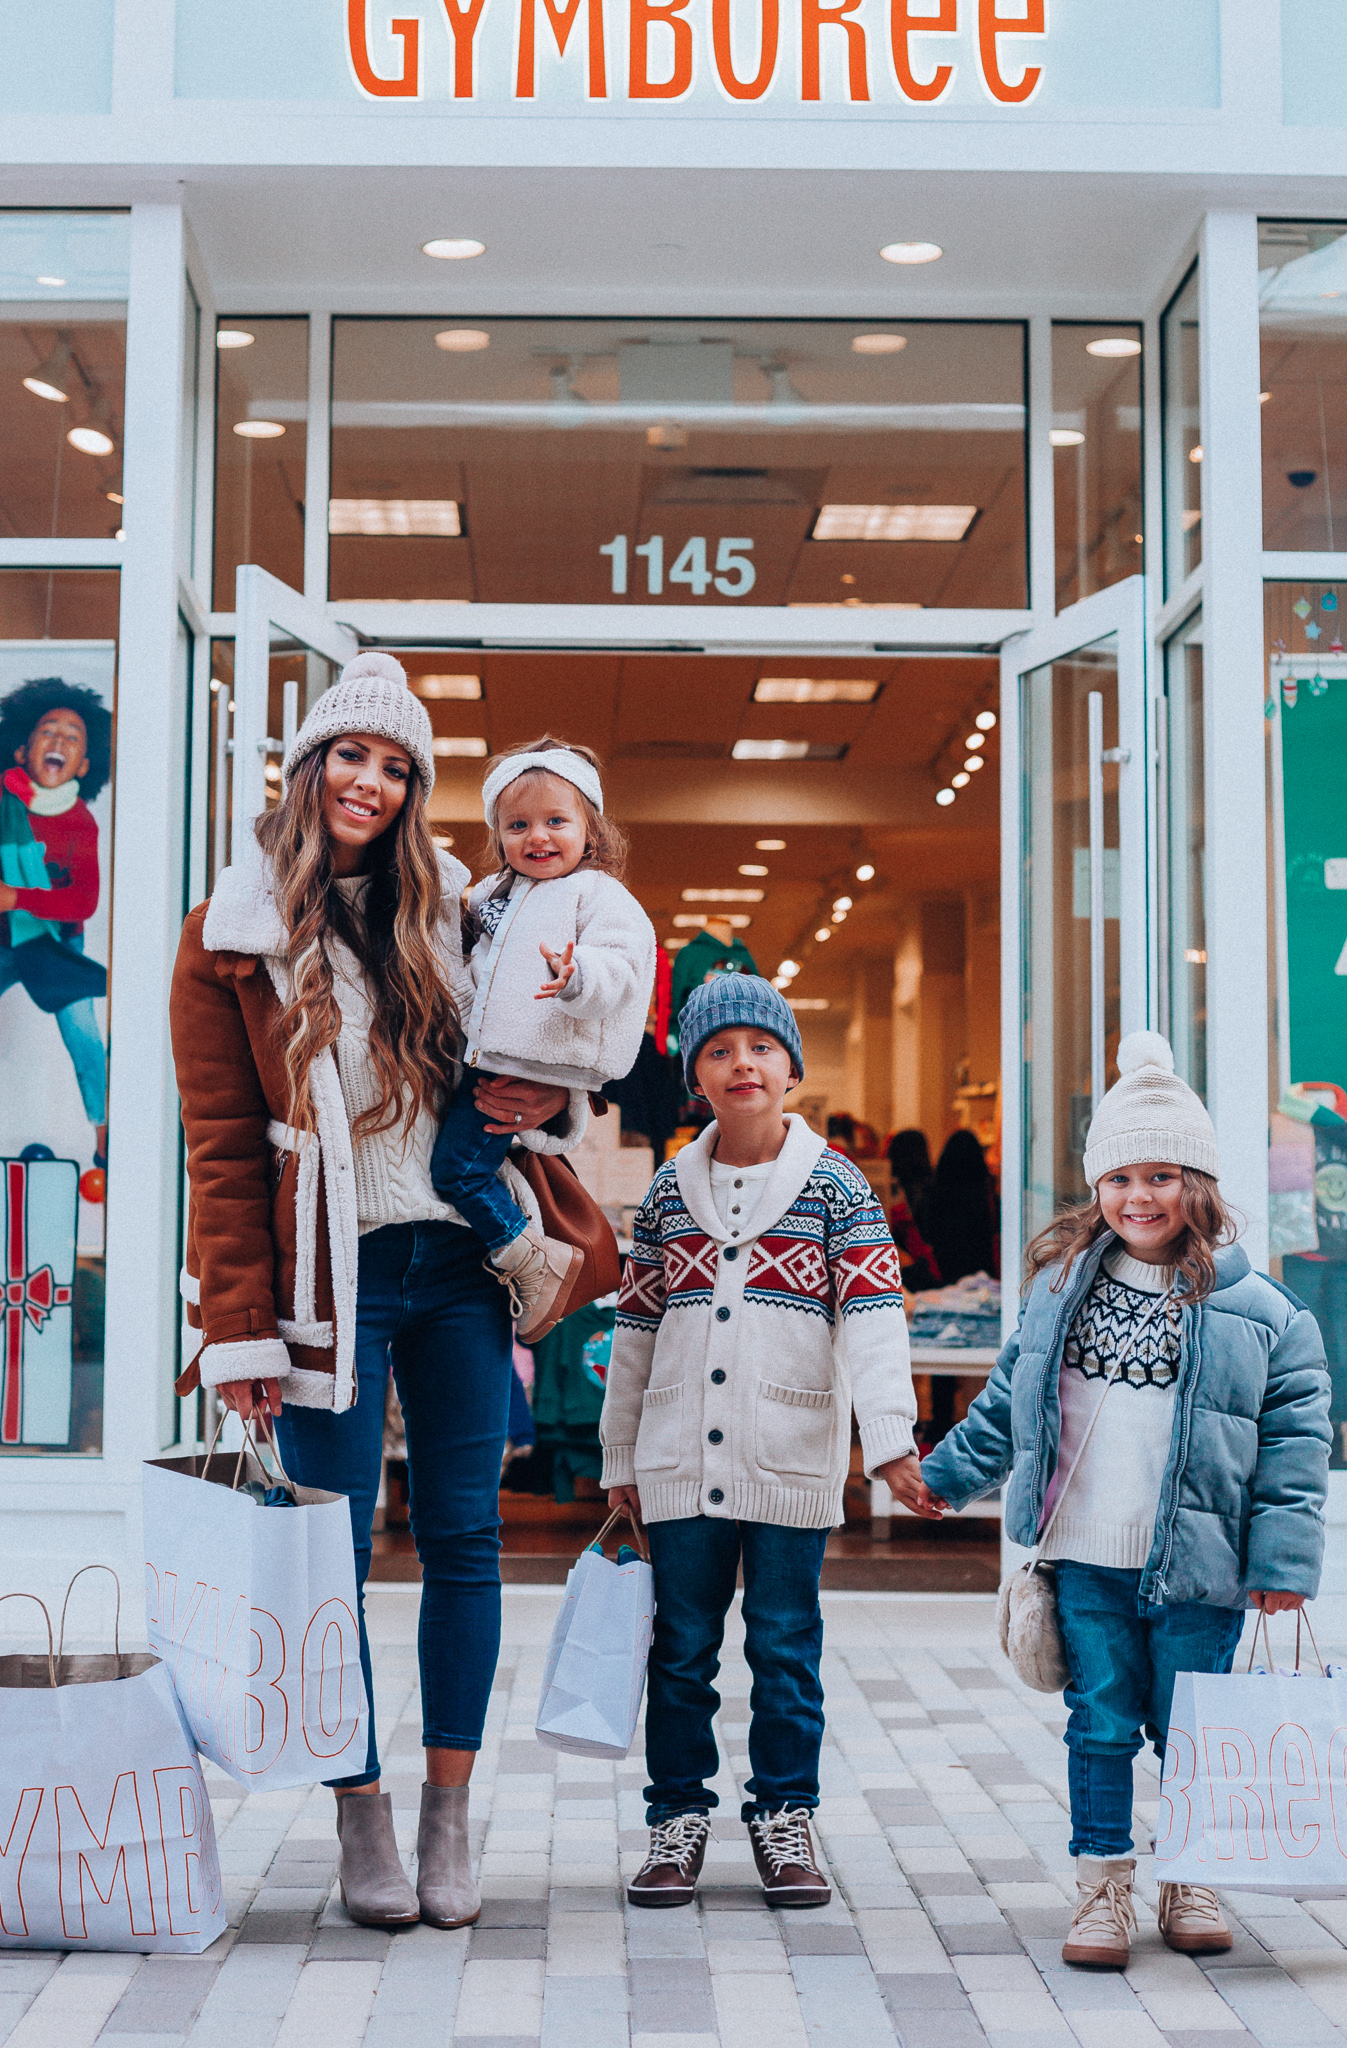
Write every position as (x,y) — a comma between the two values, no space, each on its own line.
(1200,1489)
(556,891)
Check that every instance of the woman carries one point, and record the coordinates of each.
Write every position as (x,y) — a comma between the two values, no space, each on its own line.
(311,1093)
(963,1211)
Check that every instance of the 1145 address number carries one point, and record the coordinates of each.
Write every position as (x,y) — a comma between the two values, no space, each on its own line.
(733,575)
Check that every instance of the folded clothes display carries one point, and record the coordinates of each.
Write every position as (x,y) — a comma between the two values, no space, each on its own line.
(963,1316)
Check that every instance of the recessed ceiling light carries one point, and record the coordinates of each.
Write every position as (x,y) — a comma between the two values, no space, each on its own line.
(893,522)
(1065,437)
(911,252)
(457,749)
(114,497)
(259,430)
(42,389)
(55,283)
(451,249)
(444,839)
(878,344)
(944,796)
(463,341)
(974,762)
(770,845)
(807,1002)
(1263,397)
(959,781)
(751,868)
(234,337)
(784,750)
(806,690)
(1195,454)
(722,895)
(120,534)
(976,740)
(985,721)
(839,917)
(690,920)
(90,441)
(789,969)
(843,903)
(1114,345)
(865,873)
(465,689)
(823,933)
(399,517)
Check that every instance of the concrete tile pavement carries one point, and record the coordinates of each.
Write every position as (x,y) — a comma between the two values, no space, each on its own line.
(943,1823)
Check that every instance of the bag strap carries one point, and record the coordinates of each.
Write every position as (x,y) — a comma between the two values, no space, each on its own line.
(1123,1358)
(117,1618)
(51,1660)
(623,1509)
(1261,1622)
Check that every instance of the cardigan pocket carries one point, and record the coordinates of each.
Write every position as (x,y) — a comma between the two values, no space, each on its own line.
(660,1436)
(795,1430)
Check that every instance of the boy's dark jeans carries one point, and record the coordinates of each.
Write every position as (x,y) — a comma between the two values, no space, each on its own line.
(1122,1668)
(696,1564)
(463,1168)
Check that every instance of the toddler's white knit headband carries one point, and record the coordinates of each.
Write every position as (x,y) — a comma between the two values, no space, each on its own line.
(572,768)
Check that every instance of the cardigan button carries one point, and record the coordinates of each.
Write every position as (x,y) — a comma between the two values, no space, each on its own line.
(715,1436)
(715,1496)
(731,1251)
(717,1378)
(722,1315)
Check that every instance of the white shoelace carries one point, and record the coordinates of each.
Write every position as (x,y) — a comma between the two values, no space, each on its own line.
(785,1838)
(676,1841)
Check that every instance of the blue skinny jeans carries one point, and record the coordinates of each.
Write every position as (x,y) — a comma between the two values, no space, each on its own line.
(1122,1666)
(464,1167)
(696,1563)
(423,1299)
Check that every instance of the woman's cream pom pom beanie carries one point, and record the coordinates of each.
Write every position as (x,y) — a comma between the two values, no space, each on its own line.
(370,695)
(1149,1113)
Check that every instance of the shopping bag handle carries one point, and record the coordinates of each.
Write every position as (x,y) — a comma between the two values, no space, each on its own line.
(51,1660)
(623,1508)
(117,1617)
(249,1442)
(1267,1642)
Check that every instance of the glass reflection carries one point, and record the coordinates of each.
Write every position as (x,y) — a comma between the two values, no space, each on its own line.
(1180,339)
(1302,289)
(1096,439)
(261,438)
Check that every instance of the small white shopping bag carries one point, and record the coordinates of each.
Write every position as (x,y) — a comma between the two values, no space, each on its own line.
(1254,1792)
(253,1610)
(595,1670)
(106,1837)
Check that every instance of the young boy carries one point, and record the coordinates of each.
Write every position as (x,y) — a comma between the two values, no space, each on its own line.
(761,1303)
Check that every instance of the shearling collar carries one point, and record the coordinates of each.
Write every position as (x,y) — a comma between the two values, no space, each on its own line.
(790,1170)
(242,917)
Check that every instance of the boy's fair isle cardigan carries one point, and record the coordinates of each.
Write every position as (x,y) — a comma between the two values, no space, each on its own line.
(736,1364)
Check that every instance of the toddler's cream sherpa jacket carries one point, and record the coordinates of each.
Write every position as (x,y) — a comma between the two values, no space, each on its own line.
(592,1033)
(735,1366)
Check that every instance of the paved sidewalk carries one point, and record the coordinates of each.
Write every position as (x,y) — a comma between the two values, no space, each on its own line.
(943,1820)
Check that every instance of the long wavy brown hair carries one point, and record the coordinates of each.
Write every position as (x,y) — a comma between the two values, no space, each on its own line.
(1208,1222)
(605,842)
(414,1034)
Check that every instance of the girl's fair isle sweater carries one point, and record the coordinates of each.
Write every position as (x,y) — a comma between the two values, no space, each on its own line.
(743,1343)
(1114,1494)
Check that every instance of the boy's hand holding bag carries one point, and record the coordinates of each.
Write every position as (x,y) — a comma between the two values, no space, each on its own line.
(105,1825)
(1026,1610)
(596,1660)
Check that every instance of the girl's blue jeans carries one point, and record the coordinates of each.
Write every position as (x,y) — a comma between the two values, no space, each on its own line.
(424,1302)
(464,1167)
(1122,1666)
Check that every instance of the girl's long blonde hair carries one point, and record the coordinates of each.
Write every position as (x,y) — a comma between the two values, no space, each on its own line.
(1208,1223)
(414,1034)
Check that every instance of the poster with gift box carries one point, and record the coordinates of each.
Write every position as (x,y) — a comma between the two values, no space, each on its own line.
(38,1220)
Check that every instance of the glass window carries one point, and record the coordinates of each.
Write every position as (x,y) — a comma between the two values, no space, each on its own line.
(635,461)
(261,436)
(1180,340)
(1096,466)
(1302,285)
(58,670)
(1305,712)
(1186,964)
(1056,911)
(191,393)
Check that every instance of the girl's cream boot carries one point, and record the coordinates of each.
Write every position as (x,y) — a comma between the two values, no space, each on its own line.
(1105,1919)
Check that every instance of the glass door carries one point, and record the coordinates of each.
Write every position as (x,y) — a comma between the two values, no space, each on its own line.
(1074,868)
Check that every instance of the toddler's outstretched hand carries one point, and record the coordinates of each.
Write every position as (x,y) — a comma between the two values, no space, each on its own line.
(903,1478)
(563,971)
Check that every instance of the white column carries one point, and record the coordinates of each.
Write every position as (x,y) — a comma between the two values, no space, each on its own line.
(317,460)
(1042,512)
(142,1242)
(1237,966)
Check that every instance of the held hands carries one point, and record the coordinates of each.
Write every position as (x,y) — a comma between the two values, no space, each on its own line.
(903,1478)
(1277,1603)
(251,1397)
(563,971)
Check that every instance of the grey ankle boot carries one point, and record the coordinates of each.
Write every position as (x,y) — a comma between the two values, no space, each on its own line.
(444,1885)
(374,1887)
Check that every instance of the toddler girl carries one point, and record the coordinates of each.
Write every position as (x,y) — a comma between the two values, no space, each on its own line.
(556,892)
(1196,1491)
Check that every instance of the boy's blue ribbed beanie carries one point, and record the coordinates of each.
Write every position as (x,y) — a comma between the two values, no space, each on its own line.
(728,1000)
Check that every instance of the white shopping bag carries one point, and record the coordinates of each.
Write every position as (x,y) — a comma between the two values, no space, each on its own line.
(253,1610)
(1254,1792)
(595,1670)
(106,1838)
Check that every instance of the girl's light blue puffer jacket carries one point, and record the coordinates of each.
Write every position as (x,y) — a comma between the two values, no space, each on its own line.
(1242,1500)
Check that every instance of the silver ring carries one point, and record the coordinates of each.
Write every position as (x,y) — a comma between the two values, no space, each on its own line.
(519,1116)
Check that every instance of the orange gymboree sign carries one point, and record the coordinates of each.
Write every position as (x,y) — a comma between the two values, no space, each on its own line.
(753,45)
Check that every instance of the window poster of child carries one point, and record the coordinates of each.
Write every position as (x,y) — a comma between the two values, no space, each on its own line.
(56,739)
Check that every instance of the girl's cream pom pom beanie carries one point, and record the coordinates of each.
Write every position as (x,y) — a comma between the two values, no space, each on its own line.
(370,695)
(1149,1113)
